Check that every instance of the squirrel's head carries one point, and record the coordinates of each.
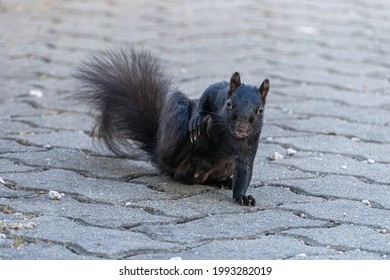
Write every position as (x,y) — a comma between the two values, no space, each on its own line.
(244,107)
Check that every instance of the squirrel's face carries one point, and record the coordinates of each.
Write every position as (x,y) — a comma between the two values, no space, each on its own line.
(244,112)
(244,107)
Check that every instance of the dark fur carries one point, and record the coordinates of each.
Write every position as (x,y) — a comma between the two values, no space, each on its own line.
(212,140)
(123,86)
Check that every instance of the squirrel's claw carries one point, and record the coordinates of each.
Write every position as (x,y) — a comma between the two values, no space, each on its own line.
(246,200)
(196,124)
(195,127)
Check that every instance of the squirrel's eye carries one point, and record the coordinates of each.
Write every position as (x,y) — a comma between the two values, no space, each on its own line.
(229,103)
(260,110)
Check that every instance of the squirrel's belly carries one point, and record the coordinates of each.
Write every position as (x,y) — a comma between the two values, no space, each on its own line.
(221,170)
(201,170)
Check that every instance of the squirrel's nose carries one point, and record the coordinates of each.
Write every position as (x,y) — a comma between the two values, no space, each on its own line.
(241,126)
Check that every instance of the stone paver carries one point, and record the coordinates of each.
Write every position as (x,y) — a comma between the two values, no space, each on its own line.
(329,101)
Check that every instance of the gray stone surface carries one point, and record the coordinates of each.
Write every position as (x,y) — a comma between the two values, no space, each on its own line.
(344,187)
(95,241)
(329,101)
(344,237)
(231,226)
(265,247)
(42,251)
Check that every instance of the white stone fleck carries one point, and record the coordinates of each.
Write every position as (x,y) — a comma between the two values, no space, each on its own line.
(36,93)
(276,156)
(291,152)
(54,195)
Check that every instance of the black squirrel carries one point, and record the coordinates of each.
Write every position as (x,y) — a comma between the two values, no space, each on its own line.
(211,140)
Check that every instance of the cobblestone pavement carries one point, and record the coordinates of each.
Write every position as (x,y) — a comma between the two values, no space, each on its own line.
(328,62)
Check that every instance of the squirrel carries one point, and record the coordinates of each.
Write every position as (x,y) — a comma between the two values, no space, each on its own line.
(211,140)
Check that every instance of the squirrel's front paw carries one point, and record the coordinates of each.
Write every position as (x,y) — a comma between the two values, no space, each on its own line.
(245,200)
(195,125)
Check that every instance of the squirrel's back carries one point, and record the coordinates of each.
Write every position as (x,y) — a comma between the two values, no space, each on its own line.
(128,89)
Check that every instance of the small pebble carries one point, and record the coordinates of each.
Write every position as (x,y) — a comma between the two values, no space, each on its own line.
(382,231)
(343,167)
(366,202)
(128,204)
(299,214)
(54,195)
(291,152)
(371,161)
(355,139)
(276,156)
(36,93)
(303,255)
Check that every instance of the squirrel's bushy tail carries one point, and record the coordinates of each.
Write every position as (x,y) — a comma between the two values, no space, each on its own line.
(128,89)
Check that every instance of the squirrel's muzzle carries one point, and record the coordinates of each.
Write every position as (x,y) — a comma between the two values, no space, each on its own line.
(241,129)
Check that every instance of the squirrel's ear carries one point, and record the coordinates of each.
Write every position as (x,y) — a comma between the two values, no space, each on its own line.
(263,90)
(235,81)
